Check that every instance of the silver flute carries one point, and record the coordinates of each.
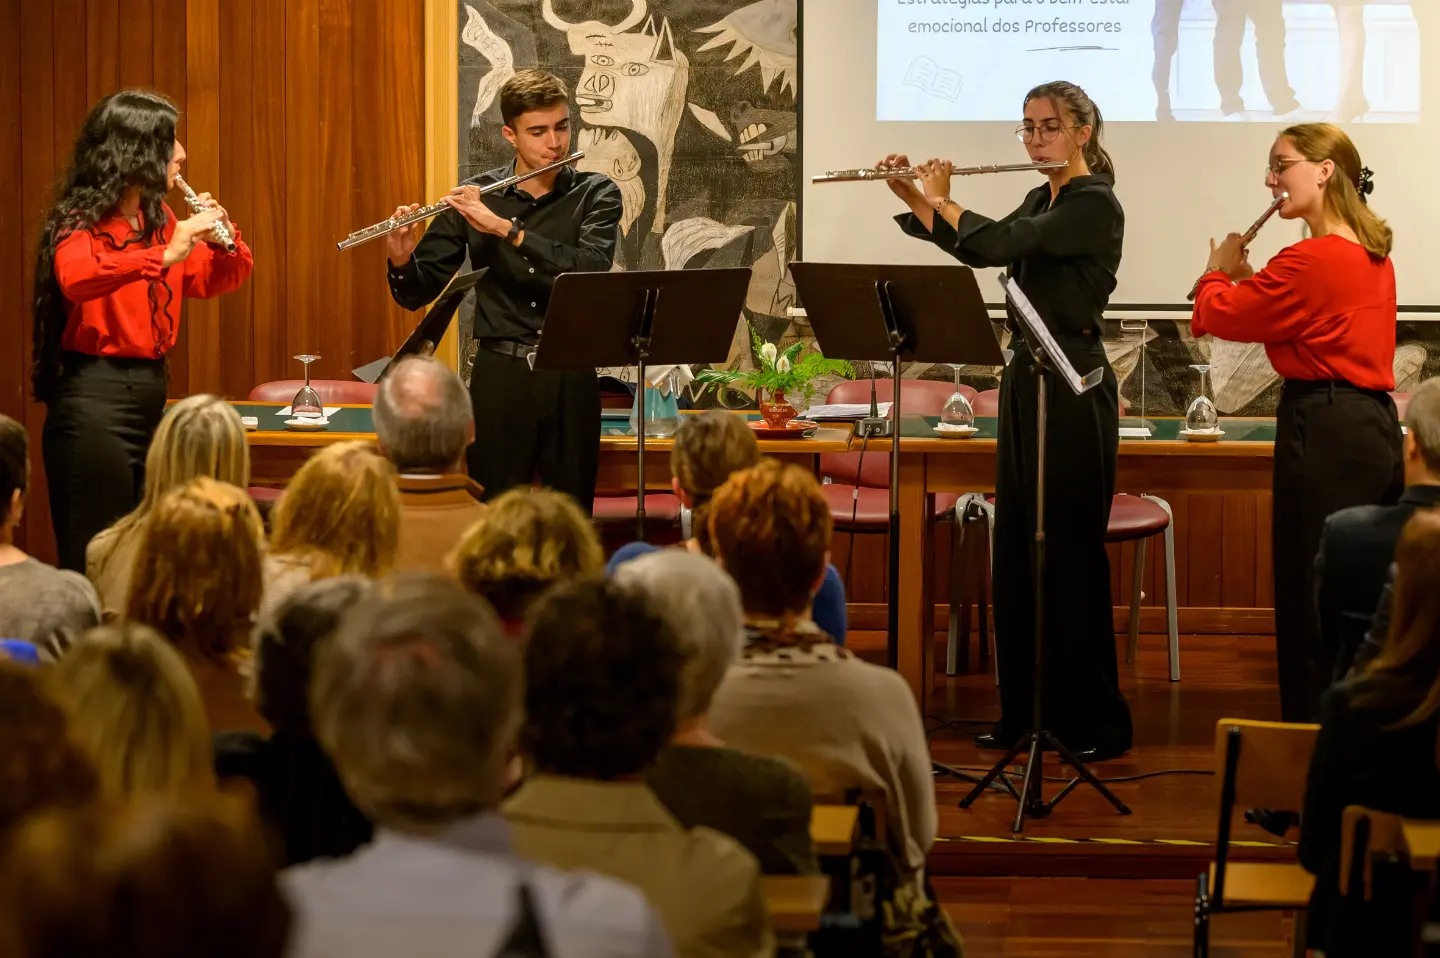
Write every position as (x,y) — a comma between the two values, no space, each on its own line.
(1248,235)
(910,172)
(425,212)
(220,231)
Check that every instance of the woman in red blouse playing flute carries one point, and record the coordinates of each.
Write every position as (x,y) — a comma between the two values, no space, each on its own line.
(114,265)
(1325,310)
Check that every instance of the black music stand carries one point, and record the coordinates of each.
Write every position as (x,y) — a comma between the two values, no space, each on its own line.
(430,330)
(928,314)
(1050,360)
(656,317)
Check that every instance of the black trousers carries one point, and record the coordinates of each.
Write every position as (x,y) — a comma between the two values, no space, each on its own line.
(1082,700)
(1269,20)
(97,432)
(539,422)
(1335,446)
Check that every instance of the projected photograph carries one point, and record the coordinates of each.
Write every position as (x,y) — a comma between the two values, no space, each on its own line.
(1345,61)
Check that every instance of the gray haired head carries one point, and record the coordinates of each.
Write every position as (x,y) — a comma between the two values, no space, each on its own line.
(701,604)
(423,417)
(1422,420)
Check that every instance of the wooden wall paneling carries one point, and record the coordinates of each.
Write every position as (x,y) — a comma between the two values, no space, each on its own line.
(12,194)
(308,190)
(68,70)
(170,41)
(1237,550)
(1207,513)
(137,44)
(265,225)
(387,78)
(202,147)
(335,322)
(235,190)
(440,59)
(1264,553)
(39,171)
(102,48)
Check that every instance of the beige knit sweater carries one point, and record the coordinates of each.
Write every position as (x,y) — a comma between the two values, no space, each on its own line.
(845,722)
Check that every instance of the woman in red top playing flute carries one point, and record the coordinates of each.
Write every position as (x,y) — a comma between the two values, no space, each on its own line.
(114,265)
(1325,310)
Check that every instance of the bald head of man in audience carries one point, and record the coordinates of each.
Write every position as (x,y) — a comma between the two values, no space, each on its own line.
(423,417)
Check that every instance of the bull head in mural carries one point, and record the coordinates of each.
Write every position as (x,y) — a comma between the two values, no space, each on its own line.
(634,81)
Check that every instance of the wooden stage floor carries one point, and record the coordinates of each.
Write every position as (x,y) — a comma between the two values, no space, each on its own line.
(1087,882)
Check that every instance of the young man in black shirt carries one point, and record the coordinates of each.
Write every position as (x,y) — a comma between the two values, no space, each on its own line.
(527,421)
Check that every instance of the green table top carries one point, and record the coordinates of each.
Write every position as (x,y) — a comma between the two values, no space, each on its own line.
(616,422)
(1161,429)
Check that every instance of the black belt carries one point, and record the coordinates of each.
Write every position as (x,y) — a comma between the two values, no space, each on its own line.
(506,347)
(1328,389)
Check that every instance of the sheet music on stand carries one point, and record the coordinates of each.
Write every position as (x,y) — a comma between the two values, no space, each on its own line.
(1035,327)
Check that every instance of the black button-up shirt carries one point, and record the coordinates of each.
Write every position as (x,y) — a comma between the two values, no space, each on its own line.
(571,229)
(1063,254)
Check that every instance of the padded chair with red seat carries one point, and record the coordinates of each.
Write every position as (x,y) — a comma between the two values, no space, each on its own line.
(857,486)
(332,392)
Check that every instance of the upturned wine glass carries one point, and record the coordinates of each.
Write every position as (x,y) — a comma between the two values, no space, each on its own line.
(957,410)
(1201,415)
(306,404)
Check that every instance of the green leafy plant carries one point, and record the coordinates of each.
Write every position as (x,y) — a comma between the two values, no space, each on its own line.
(789,371)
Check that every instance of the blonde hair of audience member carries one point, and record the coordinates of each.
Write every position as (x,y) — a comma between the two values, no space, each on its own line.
(137,710)
(527,541)
(340,513)
(708,448)
(159,876)
(770,526)
(197,576)
(1411,652)
(416,699)
(44,766)
(702,605)
(198,436)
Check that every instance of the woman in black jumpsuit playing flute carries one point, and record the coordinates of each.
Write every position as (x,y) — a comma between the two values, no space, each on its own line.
(1062,246)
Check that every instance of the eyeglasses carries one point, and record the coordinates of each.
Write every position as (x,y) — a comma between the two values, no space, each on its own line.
(1280,165)
(1043,133)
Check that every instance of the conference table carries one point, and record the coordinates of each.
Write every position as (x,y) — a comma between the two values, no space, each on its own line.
(1208,482)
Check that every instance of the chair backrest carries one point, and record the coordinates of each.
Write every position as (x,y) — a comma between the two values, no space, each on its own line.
(331,391)
(1259,765)
(1402,403)
(922,397)
(986,402)
(1367,834)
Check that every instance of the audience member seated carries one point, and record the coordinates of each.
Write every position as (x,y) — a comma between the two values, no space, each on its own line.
(39,604)
(763,803)
(1359,542)
(137,710)
(198,436)
(602,680)
(424,421)
(708,448)
(300,795)
(340,514)
(197,581)
(160,876)
(526,541)
(1377,743)
(416,698)
(44,766)
(794,693)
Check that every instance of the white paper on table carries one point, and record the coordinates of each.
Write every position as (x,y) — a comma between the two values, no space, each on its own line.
(844,410)
(329,411)
(1134,432)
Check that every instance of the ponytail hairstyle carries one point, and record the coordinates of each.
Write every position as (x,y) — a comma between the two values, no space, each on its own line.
(1348,187)
(1068,98)
(127,142)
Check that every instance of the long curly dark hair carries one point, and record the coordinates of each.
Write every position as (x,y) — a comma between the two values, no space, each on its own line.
(127,142)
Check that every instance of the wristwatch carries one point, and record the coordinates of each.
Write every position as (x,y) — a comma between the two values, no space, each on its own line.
(515,229)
